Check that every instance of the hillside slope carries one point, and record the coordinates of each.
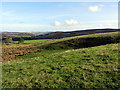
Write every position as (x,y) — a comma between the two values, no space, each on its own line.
(57,35)
(95,67)
(83,41)
(10,52)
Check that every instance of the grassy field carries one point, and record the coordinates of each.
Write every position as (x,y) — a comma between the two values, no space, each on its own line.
(95,67)
(58,67)
(83,41)
(11,51)
(32,41)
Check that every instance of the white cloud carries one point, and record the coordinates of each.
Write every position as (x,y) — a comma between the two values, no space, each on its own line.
(67,25)
(56,23)
(71,22)
(94,8)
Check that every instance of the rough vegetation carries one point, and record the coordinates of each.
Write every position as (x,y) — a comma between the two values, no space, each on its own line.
(95,67)
(65,63)
(83,41)
(11,51)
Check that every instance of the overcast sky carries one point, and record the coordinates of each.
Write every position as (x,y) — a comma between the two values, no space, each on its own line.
(58,16)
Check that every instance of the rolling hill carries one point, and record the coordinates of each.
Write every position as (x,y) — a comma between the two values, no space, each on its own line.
(65,63)
(95,67)
(57,35)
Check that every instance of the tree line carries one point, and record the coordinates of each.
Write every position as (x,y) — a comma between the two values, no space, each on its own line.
(8,40)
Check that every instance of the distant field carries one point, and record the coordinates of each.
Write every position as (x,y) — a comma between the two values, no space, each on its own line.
(32,41)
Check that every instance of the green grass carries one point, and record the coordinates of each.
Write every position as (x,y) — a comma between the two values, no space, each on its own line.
(95,67)
(62,65)
(39,40)
(32,41)
(76,42)
(82,41)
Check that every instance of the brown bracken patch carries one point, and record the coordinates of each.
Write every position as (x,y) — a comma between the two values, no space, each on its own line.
(9,53)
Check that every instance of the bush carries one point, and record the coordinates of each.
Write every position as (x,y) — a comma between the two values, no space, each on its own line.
(7,40)
(21,40)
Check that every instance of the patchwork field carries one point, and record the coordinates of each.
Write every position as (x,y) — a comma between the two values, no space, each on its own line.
(88,61)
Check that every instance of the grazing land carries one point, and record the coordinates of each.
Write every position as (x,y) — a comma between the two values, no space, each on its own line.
(88,61)
(39,40)
(32,41)
(95,67)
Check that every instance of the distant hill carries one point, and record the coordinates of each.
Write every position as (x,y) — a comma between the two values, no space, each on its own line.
(16,35)
(57,35)
(21,34)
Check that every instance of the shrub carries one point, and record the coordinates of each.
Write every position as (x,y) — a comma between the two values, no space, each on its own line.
(21,40)
(7,40)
